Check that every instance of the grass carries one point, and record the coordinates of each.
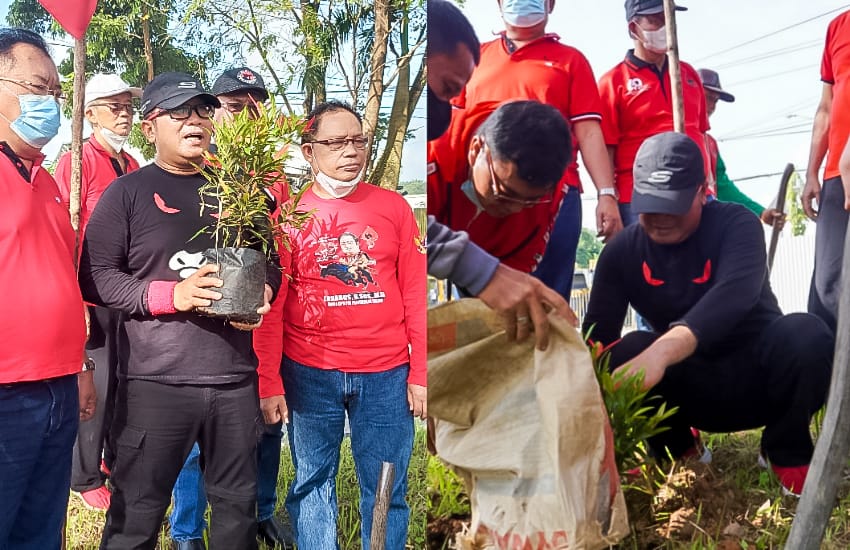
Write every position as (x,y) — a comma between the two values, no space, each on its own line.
(84,526)
(732,504)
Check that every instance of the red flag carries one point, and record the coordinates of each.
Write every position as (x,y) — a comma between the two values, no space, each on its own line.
(73,16)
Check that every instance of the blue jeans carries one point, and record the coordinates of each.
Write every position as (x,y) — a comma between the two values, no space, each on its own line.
(38,427)
(190,499)
(381,431)
(559,261)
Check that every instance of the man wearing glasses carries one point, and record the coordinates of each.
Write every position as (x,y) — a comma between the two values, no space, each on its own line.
(109,110)
(237,90)
(43,393)
(501,190)
(185,378)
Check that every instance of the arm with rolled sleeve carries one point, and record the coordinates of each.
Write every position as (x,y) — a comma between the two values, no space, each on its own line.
(736,281)
(268,338)
(410,271)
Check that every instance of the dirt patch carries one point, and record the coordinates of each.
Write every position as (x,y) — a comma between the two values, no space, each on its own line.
(441,532)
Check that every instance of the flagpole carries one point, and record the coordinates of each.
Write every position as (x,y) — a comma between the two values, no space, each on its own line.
(77,137)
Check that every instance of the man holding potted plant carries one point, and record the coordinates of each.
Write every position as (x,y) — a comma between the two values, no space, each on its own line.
(238,90)
(348,349)
(186,377)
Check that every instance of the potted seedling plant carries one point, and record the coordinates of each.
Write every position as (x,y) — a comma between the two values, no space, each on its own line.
(250,200)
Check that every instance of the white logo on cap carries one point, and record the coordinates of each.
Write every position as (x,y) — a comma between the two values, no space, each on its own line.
(660,176)
(187,85)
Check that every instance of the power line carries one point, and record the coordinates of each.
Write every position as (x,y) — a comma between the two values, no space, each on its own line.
(759,136)
(773,33)
(765,77)
(767,55)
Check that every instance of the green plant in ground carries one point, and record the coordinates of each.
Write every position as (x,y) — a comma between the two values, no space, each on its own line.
(633,416)
(250,150)
(446,493)
(796,216)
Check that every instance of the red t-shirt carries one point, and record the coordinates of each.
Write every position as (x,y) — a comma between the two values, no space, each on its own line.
(835,70)
(543,70)
(637,104)
(356,295)
(518,240)
(41,313)
(98,172)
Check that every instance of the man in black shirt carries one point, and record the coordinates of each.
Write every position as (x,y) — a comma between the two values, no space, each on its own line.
(720,349)
(184,377)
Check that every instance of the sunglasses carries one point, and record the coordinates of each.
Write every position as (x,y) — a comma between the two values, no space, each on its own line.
(504,193)
(183,112)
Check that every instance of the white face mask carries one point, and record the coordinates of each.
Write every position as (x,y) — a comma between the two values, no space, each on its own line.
(334,187)
(655,41)
(116,141)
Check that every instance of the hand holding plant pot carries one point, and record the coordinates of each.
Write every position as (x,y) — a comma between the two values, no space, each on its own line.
(243,176)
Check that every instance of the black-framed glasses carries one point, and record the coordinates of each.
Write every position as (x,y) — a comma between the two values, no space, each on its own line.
(39,89)
(116,108)
(183,112)
(338,144)
(503,193)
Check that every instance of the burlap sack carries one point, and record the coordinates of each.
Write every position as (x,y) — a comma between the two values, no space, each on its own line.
(527,430)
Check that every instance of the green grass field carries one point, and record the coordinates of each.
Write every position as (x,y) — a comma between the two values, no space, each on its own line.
(84,526)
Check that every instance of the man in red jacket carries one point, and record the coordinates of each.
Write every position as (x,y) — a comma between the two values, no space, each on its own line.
(43,394)
(109,110)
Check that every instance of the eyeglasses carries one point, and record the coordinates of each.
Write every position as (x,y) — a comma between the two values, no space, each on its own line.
(338,144)
(40,89)
(116,108)
(183,112)
(237,106)
(503,193)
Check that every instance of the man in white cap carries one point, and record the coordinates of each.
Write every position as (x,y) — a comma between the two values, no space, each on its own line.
(109,110)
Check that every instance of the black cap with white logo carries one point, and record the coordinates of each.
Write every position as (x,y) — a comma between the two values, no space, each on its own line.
(170,90)
(668,171)
(241,79)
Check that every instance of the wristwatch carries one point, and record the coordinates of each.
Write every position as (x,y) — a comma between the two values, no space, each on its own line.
(88,364)
(608,191)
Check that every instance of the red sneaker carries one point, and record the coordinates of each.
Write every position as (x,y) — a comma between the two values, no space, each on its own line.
(96,499)
(104,468)
(792,478)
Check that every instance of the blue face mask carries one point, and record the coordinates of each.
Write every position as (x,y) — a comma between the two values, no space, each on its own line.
(523,13)
(470,193)
(39,120)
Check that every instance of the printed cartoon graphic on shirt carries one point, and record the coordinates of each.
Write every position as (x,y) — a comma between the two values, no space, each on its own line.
(343,258)
(186,263)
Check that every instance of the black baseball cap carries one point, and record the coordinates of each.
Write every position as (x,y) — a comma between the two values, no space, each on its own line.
(711,81)
(646,7)
(241,79)
(668,171)
(170,90)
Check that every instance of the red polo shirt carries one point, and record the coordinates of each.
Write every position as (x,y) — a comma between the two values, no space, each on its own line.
(518,240)
(99,170)
(835,70)
(41,313)
(637,104)
(544,70)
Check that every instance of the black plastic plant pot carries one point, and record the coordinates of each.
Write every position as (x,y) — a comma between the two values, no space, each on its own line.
(243,271)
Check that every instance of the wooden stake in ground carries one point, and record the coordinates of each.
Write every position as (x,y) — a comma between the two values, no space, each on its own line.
(833,444)
(77,137)
(673,65)
(780,205)
(383,496)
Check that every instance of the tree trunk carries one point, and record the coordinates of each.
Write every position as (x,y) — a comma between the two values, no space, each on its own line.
(376,75)
(388,168)
(77,139)
(146,38)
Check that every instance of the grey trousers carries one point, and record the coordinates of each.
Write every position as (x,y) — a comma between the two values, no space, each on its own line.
(829,253)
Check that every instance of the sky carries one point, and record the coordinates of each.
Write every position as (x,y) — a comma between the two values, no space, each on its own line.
(775,80)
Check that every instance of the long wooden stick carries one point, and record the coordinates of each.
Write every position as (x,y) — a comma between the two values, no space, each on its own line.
(780,206)
(673,65)
(77,137)
(383,497)
(833,444)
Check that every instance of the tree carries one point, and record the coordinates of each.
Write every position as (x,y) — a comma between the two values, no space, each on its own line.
(363,48)
(589,248)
